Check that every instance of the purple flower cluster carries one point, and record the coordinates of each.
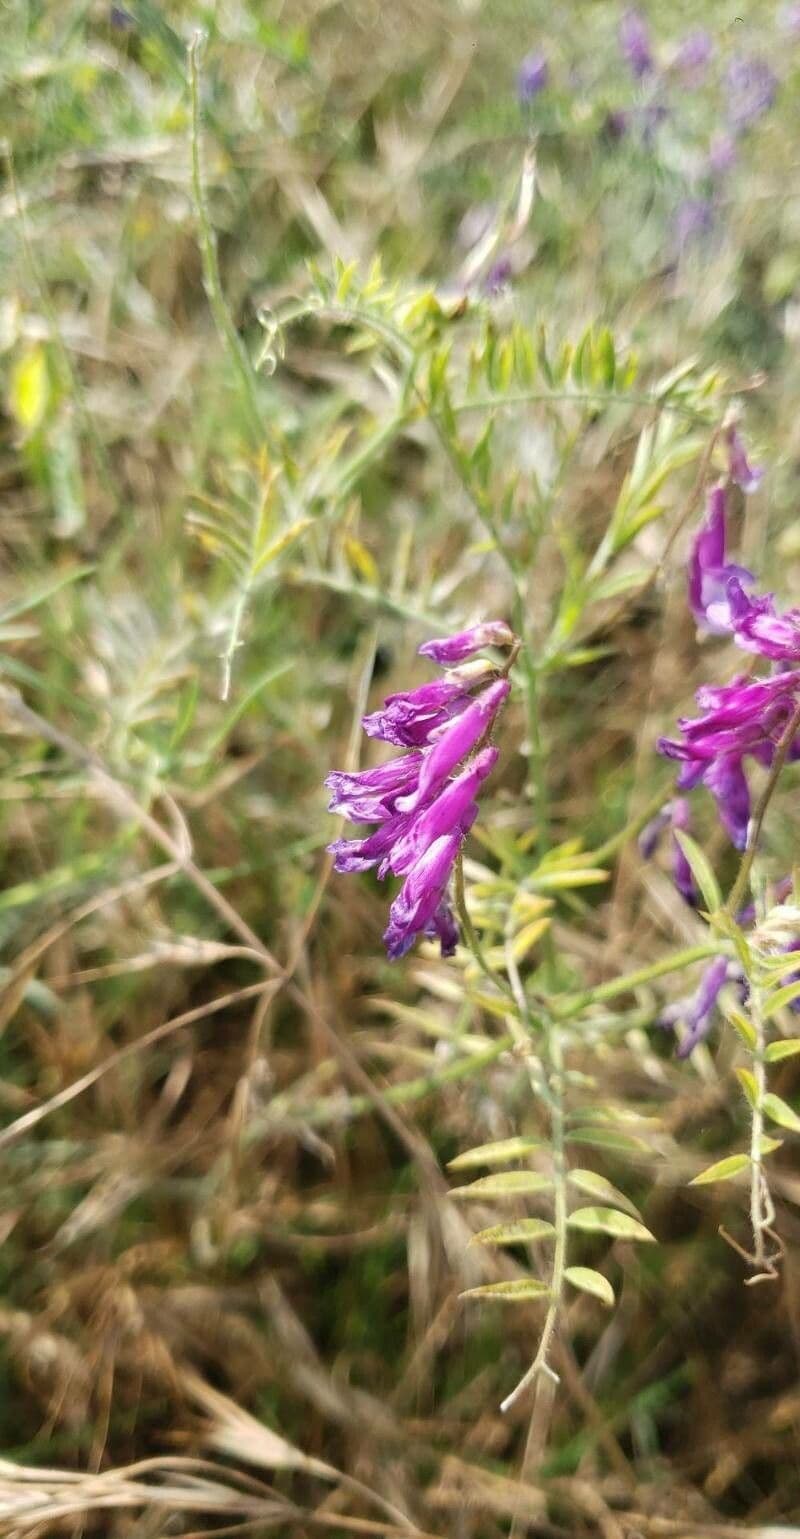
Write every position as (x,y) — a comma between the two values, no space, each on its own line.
(424,801)
(748,717)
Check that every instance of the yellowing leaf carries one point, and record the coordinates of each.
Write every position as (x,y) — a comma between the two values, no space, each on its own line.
(518,1290)
(499,1153)
(518,1233)
(741,1024)
(784,1049)
(779,1111)
(785,996)
(362,562)
(29,392)
(589,1281)
(748,1084)
(597,1186)
(609,1221)
(281,543)
(723,1170)
(508,1183)
(527,937)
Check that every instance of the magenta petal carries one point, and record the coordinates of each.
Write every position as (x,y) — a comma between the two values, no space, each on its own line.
(454,649)
(444,814)
(420,895)
(454,743)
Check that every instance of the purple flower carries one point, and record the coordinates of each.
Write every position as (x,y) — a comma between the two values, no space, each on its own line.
(694,218)
(370,796)
(696,1013)
(424,813)
(757,627)
(499,276)
(418,905)
(744,718)
(695,54)
(721,154)
(752,88)
(454,649)
(452,744)
(746,476)
(634,42)
(409,718)
(444,814)
(674,814)
(709,572)
(532,77)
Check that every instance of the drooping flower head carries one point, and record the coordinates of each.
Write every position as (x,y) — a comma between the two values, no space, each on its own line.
(424,801)
(748,718)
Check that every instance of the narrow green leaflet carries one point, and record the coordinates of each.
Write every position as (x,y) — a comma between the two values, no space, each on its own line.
(591,1282)
(519,1290)
(748,1083)
(517,1233)
(701,870)
(781,997)
(505,1149)
(779,1111)
(508,1183)
(608,1138)
(609,1221)
(597,1186)
(786,1049)
(723,1170)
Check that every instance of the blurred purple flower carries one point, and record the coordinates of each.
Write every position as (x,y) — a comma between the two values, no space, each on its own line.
(424,812)
(499,276)
(709,572)
(634,42)
(675,815)
(752,88)
(746,476)
(721,154)
(532,77)
(694,218)
(696,1013)
(694,55)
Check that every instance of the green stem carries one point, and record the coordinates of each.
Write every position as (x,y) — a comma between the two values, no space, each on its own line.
(541,1365)
(758,1216)
(525,397)
(212,282)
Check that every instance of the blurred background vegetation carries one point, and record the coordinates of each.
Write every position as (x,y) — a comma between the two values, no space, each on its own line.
(231,1226)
